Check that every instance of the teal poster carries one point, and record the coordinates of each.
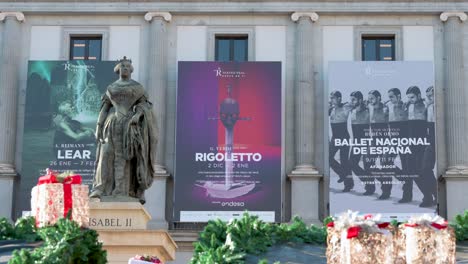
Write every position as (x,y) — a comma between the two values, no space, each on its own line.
(63,99)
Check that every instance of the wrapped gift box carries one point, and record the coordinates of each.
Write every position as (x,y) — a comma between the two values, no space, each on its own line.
(51,200)
(354,239)
(424,239)
(425,243)
(365,248)
(333,245)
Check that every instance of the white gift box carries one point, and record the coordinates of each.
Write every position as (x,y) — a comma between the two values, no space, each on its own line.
(47,203)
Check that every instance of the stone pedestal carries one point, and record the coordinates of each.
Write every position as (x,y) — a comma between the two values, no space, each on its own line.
(6,194)
(156,202)
(122,230)
(305,197)
(121,245)
(457,196)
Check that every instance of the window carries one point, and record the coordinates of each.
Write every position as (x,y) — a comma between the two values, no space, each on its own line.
(378,48)
(86,48)
(231,48)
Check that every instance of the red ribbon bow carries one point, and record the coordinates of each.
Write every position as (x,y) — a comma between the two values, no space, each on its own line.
(331,224)
(67,192)
(353,231)
(439,226)
(49,178)
(383,225)
(367,216)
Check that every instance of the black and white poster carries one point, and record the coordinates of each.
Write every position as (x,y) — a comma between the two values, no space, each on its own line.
(382,156)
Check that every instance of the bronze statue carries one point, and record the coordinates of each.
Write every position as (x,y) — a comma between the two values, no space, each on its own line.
(126,136)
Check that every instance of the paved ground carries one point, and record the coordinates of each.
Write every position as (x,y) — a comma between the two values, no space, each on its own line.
(291,253)
(462,252)
(304,254)
(7,248)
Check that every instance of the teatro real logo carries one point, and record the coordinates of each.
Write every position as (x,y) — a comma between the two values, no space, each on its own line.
(370,71)
(73,67)
(229,74)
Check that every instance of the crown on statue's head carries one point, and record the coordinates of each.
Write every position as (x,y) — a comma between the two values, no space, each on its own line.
(125,59)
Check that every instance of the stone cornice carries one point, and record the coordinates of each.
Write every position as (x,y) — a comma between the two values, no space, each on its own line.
(297,15)
(19,15)
(445,16)
(192,7)
(165,15)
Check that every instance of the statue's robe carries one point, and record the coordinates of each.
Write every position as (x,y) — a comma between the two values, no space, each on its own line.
(125,157)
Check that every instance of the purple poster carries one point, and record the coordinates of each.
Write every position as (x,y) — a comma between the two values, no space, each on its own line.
(228,142)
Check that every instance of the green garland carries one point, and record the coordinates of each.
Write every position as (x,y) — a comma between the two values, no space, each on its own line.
(64,242)
(24,229)
(460,224)
(229,243)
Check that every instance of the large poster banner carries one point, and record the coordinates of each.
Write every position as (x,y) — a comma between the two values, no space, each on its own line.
(382,138)
(63,99)
(228,141)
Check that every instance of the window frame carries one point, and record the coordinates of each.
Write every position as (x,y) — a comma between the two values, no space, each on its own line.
(214,32)
(86,38)
(77,31)
(382,31)
(377,50)
(231,39)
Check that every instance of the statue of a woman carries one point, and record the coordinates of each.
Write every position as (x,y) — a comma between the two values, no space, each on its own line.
(126,138)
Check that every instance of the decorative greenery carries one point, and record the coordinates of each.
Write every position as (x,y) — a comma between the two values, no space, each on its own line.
(298,232)
(24,229)
(64,242)
(327,220)
(460,224)
(228,243)
(7,231)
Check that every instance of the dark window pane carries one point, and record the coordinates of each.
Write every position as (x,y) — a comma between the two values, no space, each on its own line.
(378,48)
(85,48)
(386,50)
(78,49)
(369,50)
(222,49)
(94,49)
(231,48)
(240,50)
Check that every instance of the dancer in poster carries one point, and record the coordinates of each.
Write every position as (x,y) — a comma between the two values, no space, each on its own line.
(417,128)
(359,126)
(398,125)
(429,152)
(378,125)
(339,113)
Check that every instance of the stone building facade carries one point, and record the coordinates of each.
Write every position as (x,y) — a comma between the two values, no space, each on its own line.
(303,35)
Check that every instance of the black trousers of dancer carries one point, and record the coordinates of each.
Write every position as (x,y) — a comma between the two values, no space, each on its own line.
(379,130)
(363,174)
(401,129)
(342,168)
(429,161)
(418,165)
